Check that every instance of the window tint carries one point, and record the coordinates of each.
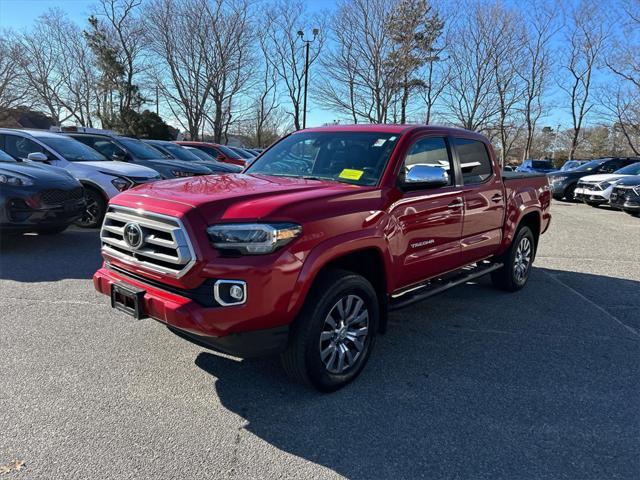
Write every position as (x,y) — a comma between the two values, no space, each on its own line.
(21,147)
(474,160)
(210,150)
(432,152)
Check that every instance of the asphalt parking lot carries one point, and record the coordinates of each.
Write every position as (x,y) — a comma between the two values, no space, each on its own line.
(475,383)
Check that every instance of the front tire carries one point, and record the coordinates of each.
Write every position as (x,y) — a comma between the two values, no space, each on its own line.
(333,336)
(569,193)
(517,260)
(95,210)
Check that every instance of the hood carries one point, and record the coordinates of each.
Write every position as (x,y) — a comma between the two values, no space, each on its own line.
(251,197)
(39,174)
(630,181)
(119,168)
(567,173)
(602,177)
(170,163)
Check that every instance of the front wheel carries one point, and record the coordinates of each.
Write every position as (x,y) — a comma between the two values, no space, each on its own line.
(570,193)
(517,262)
(332,338)
(94,211)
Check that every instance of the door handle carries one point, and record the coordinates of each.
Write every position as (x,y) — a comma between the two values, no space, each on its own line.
(496,198)
(456,204)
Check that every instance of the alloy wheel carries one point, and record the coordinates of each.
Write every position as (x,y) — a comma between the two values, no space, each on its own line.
(344,334)
(523,260)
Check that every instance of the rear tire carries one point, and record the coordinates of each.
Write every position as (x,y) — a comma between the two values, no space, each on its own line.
(96,208)
(517,261)
(333,336)
(569,193)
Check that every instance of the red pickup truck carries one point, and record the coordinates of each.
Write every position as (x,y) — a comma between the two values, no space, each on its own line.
(306,252)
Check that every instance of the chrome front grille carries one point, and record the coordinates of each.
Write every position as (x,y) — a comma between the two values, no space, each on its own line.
(162,247)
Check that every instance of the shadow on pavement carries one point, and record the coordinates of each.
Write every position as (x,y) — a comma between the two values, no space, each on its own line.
(473,384)
(74,253)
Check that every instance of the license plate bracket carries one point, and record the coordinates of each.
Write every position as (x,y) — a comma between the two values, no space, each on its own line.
(128,299)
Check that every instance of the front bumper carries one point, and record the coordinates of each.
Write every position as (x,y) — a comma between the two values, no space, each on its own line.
(214,326)
(18,214)
(592,196)
(627,201)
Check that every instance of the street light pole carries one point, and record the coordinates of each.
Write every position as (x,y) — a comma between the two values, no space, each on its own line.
(307,44)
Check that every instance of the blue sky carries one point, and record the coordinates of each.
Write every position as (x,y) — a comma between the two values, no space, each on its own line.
(20,14)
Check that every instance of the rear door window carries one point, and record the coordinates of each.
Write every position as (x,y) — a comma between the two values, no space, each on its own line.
(475,162)
(21,147)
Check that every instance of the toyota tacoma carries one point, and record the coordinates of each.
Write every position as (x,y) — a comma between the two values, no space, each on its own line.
(307,251)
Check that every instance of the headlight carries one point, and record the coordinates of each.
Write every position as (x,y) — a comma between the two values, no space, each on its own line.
(121,183)
(636,190)
(181,173)
(252,238)
(15,181)
(604,185)
(558,179)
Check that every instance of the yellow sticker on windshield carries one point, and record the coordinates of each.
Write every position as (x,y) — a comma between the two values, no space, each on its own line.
(350,174)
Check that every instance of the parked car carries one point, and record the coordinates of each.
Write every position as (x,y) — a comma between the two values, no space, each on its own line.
(220,152)
(571,164)
(243,152)
(564,184)
(595,190)
(101,178)
(132,150)
(625,195)
(538,166)
(36,197)
(178,152)
(307,250)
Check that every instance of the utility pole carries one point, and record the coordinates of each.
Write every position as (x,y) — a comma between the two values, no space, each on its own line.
(307,44)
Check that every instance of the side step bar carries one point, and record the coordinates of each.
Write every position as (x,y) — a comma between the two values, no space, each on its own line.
(433,287)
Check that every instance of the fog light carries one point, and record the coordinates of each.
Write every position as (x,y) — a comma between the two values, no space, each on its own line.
(230,292)
(236,292)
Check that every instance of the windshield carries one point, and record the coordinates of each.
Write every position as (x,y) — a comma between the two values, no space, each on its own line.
(242,153)
(587,167)
(5,157)
(180,153)
(228,152)
(200,154)
(633,169)
(139,149)
(542,164)
(351,157)
(72,150)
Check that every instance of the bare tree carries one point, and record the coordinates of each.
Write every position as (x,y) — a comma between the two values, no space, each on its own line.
(229,60)
(283,21)
(12,92)
(586,38)
(178,33)
(622,98)
(126,31)
(542,25)
(358,77)
(471,94)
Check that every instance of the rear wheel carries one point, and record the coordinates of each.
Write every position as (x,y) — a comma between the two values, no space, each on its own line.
(570,193)
(517,262)
(332,338)
(95,210)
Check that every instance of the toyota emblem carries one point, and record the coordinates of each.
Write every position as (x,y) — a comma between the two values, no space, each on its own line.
(133,235)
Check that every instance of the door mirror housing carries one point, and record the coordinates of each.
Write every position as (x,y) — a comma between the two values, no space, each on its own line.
(37,157)
(424,176)
(120,156)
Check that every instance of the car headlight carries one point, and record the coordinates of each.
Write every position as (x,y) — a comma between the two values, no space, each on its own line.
(636,190)
(558,179)
(181,173)
(15,181)
(252,238)
(121,183)
(604,185)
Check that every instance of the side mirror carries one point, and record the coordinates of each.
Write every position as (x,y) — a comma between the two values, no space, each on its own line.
(37,157)
(120,157)
(425,176)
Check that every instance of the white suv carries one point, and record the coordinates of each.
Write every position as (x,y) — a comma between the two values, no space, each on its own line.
(102,179)
(596,189)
